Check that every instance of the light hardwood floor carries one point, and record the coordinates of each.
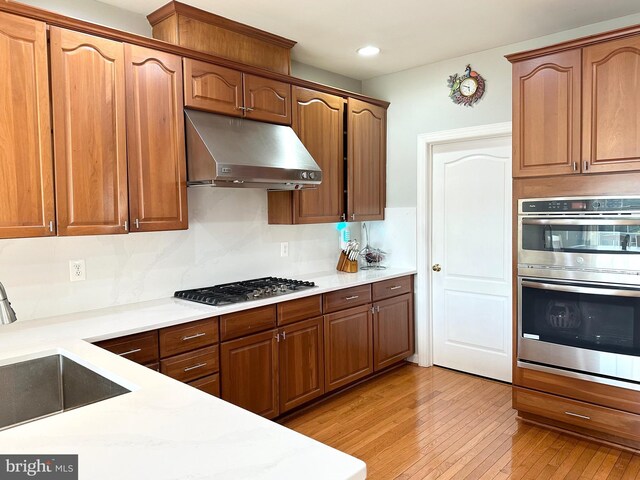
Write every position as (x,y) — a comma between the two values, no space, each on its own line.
(420,423)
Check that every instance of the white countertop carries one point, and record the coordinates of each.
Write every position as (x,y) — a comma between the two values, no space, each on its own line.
(164,429)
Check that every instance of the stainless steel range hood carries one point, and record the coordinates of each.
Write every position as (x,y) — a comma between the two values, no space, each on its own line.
(235,152)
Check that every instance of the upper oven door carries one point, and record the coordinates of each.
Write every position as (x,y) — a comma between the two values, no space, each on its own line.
(581,242)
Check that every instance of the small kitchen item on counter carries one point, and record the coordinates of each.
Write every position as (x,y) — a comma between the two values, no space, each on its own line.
(372,256)
(7,314)
(348,261)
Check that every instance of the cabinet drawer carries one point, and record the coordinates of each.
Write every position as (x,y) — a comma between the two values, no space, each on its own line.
(309,307)
(189,336)
(239,324)
(392,288)
(210,384)
(347,298)
(192,365)
(573,412)
(139,348)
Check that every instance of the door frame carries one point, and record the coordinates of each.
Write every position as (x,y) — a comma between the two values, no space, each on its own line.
(423,293)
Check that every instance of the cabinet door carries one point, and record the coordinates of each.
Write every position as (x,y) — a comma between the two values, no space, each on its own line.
(611,106)
(155,141)
(26,166)
(348,346)
(546,115)
(367,152)
(318,121)
(393,331)
(87,75)
(249,371)
(212,88)
(301,361)
(267,100)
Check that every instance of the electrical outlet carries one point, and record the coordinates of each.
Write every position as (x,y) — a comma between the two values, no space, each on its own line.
(284,249)
(77,271)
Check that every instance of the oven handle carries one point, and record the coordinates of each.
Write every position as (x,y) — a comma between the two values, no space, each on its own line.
(580,221)
(580,289)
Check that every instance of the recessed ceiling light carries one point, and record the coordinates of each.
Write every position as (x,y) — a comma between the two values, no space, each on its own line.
(368,51)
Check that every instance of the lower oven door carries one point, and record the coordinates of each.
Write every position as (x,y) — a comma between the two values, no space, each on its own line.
(588,328)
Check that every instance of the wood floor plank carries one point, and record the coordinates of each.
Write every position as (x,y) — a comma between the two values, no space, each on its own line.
(426,423)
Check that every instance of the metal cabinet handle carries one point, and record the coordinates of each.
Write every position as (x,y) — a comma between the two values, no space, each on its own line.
(377,308)
(396,287)
(571,414)
(343,216)
(191,337)
(51,226)
(277,337)
(353,216)
(135,350)
(126,225)
(575,166)
(137,222)
(200,365)
(586,166)
(353,297)
(249,109)
(284,335)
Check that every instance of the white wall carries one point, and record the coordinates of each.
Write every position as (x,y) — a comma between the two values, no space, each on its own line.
(228,239)
(97,12)
(318,75)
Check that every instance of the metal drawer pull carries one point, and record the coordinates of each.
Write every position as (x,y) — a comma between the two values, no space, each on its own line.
(135,350)
(353,297)
(571,414)
(396,287)
(200,365)
(191,337)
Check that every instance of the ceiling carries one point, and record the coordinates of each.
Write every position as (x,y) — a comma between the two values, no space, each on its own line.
(408,32)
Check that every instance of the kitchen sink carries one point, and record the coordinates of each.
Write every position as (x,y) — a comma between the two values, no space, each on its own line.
(44,386)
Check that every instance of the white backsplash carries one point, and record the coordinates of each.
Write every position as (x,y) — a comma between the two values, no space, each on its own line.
(396,236)
(228,239)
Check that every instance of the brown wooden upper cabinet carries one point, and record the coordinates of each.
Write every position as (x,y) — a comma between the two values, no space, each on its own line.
(88,89)
(546,115)
(155,140)
(367,150)
(318,120)
(26,164)
(611,106)
(576,110)
(223,90)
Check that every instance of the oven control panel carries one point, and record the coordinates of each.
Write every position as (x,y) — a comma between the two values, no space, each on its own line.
(579,205)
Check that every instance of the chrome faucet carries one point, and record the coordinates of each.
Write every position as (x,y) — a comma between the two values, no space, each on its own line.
(7,315)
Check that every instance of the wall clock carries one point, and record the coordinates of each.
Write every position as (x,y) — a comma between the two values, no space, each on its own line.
(466,89)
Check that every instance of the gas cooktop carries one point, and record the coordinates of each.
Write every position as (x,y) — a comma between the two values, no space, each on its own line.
(236,292)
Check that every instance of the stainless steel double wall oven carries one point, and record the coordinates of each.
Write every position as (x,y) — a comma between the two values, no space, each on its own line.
(579,287)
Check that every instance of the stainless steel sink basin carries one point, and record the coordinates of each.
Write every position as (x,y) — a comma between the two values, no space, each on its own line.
(48,385)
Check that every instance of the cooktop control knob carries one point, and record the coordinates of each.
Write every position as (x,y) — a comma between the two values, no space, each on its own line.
(304,175)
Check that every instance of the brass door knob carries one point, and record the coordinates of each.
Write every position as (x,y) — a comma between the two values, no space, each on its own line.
(436,267)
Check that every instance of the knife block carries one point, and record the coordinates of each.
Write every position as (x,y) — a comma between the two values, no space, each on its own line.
(346,265)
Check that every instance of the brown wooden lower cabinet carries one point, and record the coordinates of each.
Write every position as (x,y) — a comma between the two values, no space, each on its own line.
(209,384)
(580,416)
(348,346)
(249,371)
(301,361)
(392,331)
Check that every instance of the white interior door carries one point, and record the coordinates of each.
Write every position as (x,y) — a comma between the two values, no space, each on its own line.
(471,244)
